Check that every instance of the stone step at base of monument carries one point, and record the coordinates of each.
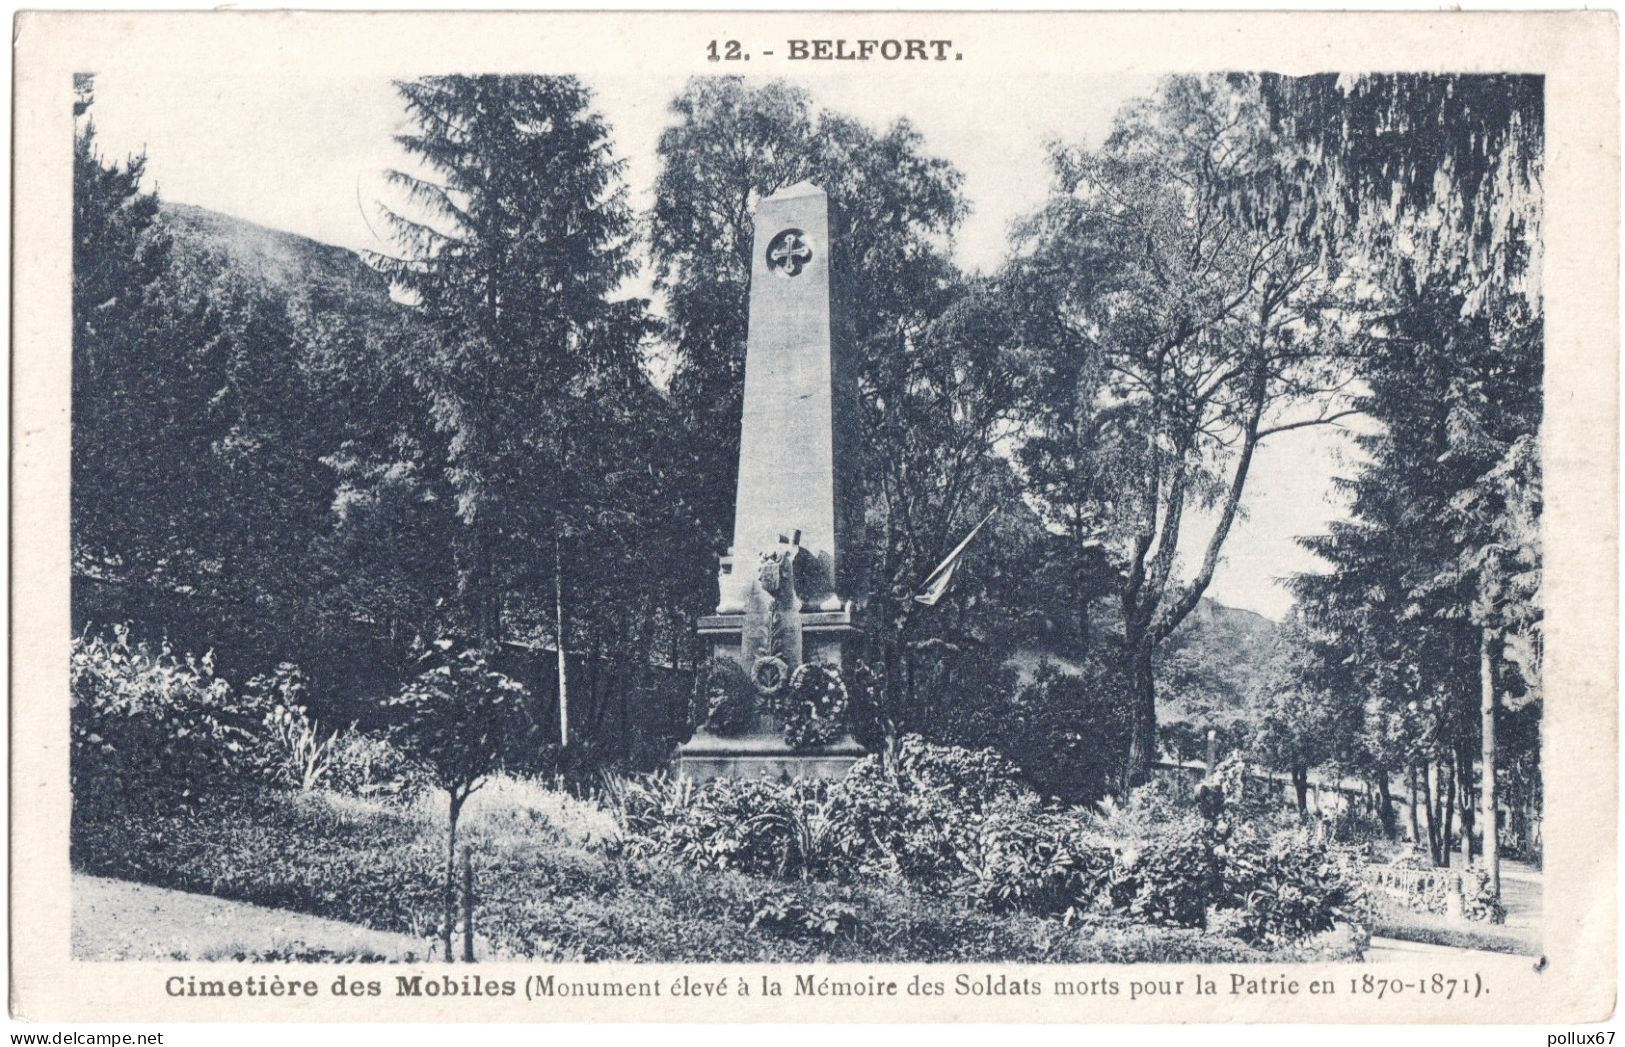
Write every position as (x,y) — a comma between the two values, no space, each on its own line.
(708,756)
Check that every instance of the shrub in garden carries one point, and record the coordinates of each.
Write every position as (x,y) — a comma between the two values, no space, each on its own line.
(1067,730)
(1024,857)
(294,749)
(795,915)
(1165,859)
(1169,878)
(915,815)
(366,765)
(1231,868)
(958,823)
(637,804)
(915,821)
(732,823)
(749,825)
(297,754)
(151,719)
(1295,886)
(895,831)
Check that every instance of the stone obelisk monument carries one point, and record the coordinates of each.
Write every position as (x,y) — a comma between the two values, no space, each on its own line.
(790,585)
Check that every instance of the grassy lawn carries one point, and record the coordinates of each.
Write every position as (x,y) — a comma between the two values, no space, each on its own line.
(552,886)
(1434,930)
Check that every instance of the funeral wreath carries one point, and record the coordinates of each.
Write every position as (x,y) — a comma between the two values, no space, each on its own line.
(815,708)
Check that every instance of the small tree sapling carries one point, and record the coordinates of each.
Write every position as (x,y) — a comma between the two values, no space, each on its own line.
(460,719)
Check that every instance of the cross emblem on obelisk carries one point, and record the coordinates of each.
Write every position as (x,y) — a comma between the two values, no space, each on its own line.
(789,252)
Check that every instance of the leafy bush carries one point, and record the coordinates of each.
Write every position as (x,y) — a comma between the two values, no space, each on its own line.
(911,822)
(1229,867)
(952,822)
(742,824)
(145,719)
(1031,859)
(364,765)
(1067,730)
(796,916)
(1297,887)
(298,755)
(897,831)
(1170,879)
(971,779)
(293,751)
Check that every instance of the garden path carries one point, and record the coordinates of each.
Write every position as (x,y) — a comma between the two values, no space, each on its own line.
(1521,894)
(121,920)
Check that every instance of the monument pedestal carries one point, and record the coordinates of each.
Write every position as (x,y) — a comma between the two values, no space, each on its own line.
(763,756)
(826,637)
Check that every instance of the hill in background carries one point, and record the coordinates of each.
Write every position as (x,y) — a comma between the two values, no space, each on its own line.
(1210,662)
(280,265)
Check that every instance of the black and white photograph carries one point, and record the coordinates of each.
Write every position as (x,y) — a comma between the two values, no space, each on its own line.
(556,520)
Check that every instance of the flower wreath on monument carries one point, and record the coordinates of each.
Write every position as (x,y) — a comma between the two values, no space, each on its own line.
(814,706)
(770,674)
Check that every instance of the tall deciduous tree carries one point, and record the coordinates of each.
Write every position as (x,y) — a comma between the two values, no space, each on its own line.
(1179,326)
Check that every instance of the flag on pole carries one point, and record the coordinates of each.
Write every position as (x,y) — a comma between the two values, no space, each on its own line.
(937,583)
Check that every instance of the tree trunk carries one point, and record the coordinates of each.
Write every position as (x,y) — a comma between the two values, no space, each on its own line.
(1410,784)
(911,697)
(896,713)
(1081,595)
(1300,785)
(1486,792)
(558,632)
(1142,747)
(468,907)
(1385,805)
(1464,779)
(454,811)
(478,593)
(1429,773)
(1447,813)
